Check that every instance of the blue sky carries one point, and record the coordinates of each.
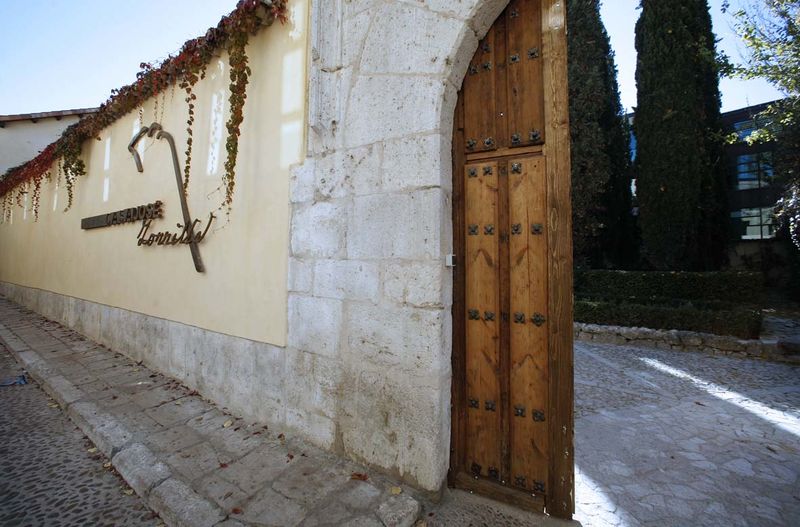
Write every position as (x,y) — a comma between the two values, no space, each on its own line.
(620,18)
(60,54)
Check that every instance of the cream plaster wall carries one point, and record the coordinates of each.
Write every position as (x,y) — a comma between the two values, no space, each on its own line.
(23,140)
(243,292)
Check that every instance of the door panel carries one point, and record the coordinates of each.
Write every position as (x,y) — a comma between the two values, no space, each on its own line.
(480,93)
(528,340)
(504,240)
(525,80)
(512,312)
(483,319)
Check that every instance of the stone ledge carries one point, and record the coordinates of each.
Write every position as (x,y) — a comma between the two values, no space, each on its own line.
(678,340)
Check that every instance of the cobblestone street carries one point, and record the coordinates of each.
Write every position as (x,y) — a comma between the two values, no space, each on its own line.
(667,438)
(47,474)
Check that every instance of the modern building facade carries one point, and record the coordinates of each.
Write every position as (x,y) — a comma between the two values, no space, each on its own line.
(752,197)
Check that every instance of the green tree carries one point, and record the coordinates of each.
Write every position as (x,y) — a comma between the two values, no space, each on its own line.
(679,164)
(770,29)
(602,225)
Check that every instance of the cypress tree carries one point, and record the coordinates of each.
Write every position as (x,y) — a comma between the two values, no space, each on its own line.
(600,143)
(681,178)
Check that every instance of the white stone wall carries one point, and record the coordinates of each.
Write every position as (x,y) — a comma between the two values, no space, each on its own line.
(370,297)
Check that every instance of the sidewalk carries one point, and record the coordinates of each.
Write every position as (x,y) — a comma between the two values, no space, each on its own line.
(197,466)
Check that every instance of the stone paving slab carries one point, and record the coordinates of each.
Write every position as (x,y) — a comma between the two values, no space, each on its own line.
(192,463)
(669,438)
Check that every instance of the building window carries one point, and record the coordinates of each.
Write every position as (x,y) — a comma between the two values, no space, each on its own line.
(744,129)
(754,171)
(754,224)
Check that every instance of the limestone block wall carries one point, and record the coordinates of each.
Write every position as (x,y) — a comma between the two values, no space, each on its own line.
(369,294)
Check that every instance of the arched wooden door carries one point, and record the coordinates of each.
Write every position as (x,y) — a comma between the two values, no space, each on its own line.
(512,391)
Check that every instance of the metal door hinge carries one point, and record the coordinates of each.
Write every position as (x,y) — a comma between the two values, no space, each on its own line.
(450,260)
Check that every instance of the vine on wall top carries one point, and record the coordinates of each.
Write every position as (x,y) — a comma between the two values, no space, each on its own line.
(186,68)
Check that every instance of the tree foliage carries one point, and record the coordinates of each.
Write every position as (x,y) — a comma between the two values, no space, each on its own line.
(680,168)
(770,30)
(601,199)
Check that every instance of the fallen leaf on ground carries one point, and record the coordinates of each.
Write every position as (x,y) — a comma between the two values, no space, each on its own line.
(359,476)
(53,405)
(395,490)
(107,464)
(290,456)
(128,492)
(179,403)
(236,510)
(227,424)
(92,450)
(223,465)
(281,437)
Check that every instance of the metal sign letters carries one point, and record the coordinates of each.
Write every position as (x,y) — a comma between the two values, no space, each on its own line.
(190,232)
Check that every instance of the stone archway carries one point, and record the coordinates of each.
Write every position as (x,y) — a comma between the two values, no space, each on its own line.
(370,296)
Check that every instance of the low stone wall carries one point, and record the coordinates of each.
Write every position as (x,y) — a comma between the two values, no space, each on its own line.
(768,349)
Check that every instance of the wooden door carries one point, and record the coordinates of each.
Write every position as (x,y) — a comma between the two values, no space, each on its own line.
(512,356)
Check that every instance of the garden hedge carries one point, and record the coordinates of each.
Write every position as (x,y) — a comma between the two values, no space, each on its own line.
(647,287)
(739,322)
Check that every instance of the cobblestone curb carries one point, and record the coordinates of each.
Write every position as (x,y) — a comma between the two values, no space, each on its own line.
(677,340)
(190,462)
(140,469)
